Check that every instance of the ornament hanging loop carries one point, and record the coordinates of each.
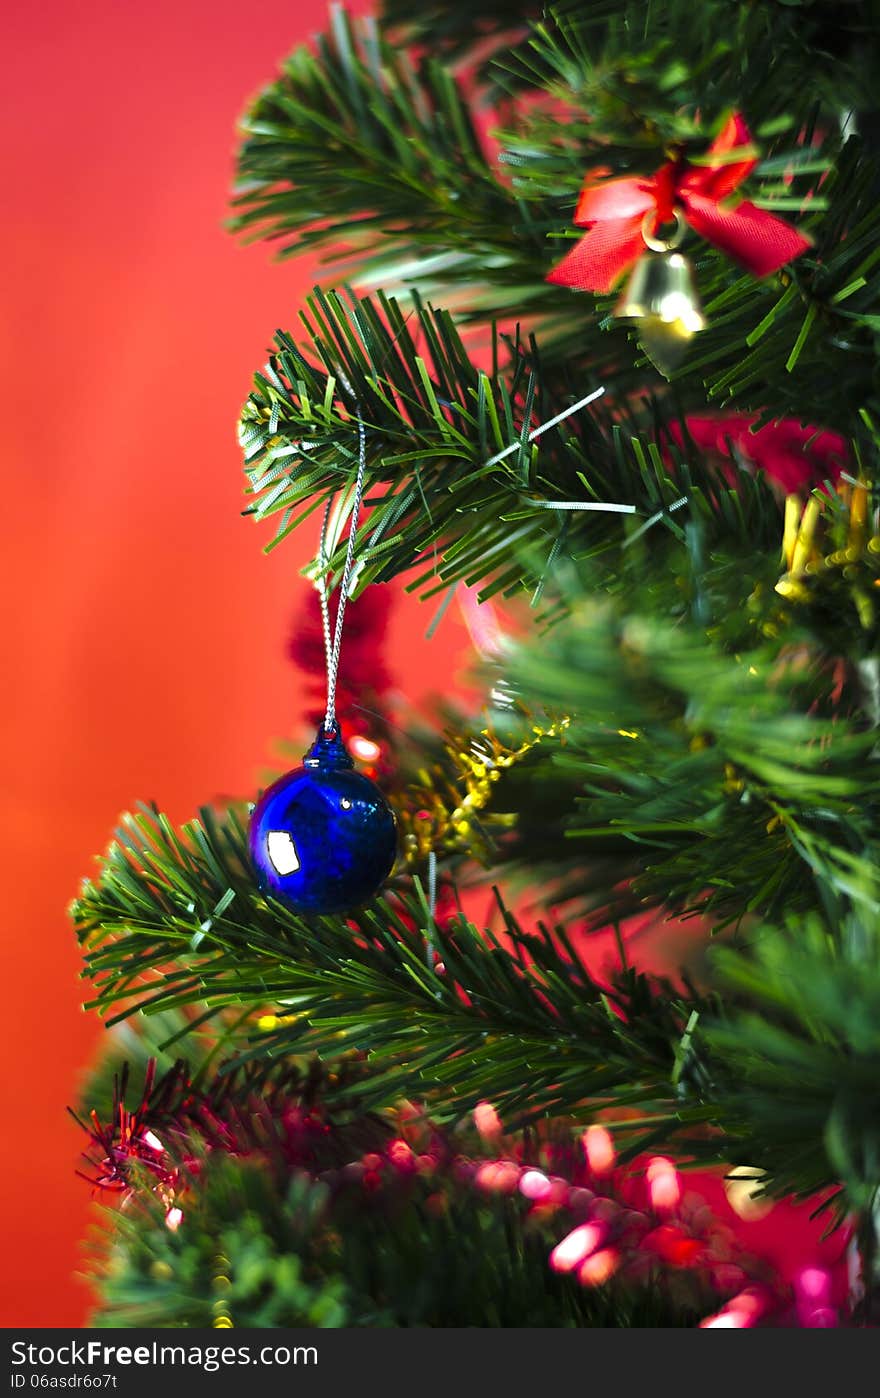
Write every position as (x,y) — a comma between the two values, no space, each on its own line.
(328,752)
(661,296)
(675,238)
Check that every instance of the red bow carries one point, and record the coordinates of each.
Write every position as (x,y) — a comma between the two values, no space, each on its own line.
(613,212)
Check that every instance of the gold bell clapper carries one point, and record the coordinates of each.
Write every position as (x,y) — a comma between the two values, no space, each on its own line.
(661,295)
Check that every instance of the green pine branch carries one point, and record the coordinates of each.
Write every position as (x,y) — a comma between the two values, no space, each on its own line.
(767,346)
(456,490)
(719,743)
(175,920)
(712,777)
(360,148)
(371,153)
(780,1074)
(805,1013)
(810,49)
(418,1249)
(461,32)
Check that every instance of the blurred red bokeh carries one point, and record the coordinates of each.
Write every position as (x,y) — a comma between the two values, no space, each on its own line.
(144,631)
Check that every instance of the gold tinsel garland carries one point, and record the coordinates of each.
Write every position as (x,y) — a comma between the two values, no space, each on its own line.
(821,545)
(439,818)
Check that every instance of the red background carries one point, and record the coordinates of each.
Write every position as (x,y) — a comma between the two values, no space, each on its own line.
(143,628)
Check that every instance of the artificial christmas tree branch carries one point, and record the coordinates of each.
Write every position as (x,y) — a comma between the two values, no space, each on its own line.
(458,494)
(363,128)
(419,1228)
(522,1020)
(501,1004)
(704,775)
(390,147)
(688,728)
(810,52)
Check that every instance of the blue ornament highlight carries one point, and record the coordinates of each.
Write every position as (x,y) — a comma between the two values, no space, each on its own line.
(323,838)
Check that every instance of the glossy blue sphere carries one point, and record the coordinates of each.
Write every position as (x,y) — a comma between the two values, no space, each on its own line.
(323,838)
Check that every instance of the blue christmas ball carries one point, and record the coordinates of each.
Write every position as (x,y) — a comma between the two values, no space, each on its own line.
(323,838)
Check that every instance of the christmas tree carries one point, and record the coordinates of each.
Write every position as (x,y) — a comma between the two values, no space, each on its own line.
(596,341)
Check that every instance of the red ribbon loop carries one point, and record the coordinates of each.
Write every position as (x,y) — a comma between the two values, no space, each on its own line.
(613,212)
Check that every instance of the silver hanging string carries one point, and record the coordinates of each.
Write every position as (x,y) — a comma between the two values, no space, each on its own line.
(333,642)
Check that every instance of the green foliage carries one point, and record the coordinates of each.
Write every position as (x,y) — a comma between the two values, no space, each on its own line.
(455,29)
(718,746)
(175,920)
(805,1012)
(157,1277)
(434,423)
(699,778)
(363,149)
(445,504)
(622,59)
(784,331)
(358,146)
(427,1251)
(133,1044)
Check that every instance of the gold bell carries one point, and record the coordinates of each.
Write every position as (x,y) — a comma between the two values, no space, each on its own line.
(662,296)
